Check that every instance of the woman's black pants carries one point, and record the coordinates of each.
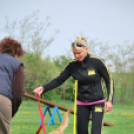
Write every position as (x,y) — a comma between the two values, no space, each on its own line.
(83,114)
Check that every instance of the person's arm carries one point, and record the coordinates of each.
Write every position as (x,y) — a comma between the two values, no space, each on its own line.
(104,72)
(17,89)
(64,75)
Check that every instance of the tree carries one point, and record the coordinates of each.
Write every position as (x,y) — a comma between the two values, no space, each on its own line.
(32,35)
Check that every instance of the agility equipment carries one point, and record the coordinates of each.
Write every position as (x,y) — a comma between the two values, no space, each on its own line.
(56,109)
(41,116)
(75,105)
(60,107)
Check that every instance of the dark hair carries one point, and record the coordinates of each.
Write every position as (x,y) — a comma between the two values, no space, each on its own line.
(9,45)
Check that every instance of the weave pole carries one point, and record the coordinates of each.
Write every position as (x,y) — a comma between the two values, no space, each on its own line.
(75,105)
(41,116)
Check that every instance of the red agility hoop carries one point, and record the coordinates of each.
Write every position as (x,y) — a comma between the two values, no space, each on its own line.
(41,116)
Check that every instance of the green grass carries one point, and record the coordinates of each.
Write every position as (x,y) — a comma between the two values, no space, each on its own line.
(26,121)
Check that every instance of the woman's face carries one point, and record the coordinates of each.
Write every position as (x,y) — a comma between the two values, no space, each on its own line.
(80,54)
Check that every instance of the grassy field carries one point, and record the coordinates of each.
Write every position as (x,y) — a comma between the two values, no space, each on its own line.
(27,119)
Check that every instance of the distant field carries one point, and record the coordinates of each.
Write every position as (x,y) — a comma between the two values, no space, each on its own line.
(27,119)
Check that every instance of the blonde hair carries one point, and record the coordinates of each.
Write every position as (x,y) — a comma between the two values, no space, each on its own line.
(82,40)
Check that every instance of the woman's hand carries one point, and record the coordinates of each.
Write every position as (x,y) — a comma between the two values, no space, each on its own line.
(39,90)
(108,106)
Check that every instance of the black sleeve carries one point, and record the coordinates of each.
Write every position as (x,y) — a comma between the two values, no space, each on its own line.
(104,72)
(64,75)
(15,105)
(17,90)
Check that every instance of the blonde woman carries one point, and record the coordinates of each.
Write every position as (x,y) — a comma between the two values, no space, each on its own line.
(88,70)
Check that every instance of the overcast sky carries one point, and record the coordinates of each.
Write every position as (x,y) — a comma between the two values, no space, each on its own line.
(105,20)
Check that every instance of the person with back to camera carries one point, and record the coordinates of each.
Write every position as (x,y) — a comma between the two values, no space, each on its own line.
(89,71)
(11,81)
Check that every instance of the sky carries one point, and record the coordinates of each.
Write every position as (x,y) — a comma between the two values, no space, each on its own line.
(104,20)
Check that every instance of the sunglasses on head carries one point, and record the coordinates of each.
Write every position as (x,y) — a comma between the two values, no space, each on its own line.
(77,44)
